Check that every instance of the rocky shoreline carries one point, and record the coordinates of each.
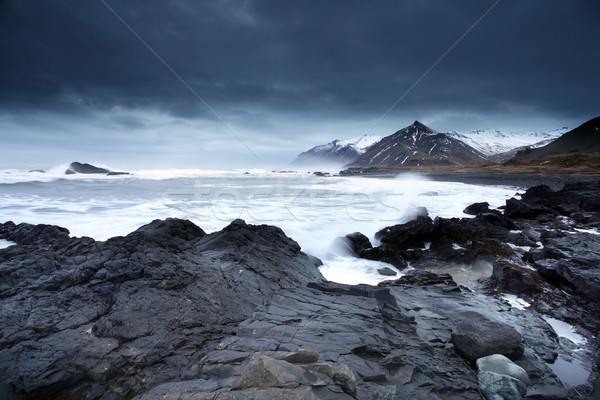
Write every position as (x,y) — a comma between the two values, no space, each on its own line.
(170,312)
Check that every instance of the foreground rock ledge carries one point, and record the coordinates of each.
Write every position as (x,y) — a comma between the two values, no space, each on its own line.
(171,312)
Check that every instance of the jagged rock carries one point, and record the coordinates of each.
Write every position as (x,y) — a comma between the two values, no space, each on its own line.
(409,235)
(358,242)
(520,209)
(79,168)
(114,318)
(172,312)
(263,371)
(385,253)
(420,278)
(477,208)
(355,244)
(516,279)
(477,336)
(501,365)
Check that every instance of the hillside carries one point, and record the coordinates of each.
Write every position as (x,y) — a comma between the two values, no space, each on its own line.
(583,139)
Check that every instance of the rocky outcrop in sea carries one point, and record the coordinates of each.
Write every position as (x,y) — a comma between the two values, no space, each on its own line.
(170,312)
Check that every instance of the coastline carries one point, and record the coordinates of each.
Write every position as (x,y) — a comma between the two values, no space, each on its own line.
(174,311)
(524,177)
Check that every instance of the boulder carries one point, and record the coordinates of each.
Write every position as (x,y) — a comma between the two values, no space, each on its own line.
(517,279)
(79,168)
(386,253)
(476,336)
(477,208)
(499,364)
(387,271)
(302,356)
(496,386)
(357,243)
(520,209)
(409,235)
(420,278)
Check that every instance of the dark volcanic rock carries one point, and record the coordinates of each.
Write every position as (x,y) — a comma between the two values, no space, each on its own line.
(79,168)
(517,279)
(385,253)
(387,271)
(170,312)
(520,209)
(356,243)
(478,208)
(409,235)
(359,242)
(572,198)
(421,278)
(109,319)
(477,336)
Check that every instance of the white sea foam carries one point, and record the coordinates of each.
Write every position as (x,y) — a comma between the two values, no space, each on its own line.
(516,302)
(5,243)
(312,210)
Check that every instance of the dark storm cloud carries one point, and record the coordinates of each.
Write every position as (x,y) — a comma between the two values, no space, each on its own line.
(323,59)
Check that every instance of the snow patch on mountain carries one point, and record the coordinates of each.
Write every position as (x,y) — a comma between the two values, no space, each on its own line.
(337,152)
(491,141)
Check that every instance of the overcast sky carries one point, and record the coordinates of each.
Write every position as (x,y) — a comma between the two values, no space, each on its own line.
(281,76)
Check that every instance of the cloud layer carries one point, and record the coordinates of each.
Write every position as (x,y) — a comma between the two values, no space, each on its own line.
(294,72)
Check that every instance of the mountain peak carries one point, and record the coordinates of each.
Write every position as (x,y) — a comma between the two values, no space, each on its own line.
(416,130)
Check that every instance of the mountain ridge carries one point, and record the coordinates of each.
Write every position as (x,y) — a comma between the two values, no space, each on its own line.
(583,139)
(336,152)
(418,145)
(492,142)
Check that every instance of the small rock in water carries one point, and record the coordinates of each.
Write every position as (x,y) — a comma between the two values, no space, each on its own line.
(477,208)
(387,271)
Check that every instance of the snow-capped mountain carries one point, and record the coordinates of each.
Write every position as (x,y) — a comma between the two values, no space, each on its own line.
(418,145)
(583,139)
(507,155)
(491,142)
(338,152)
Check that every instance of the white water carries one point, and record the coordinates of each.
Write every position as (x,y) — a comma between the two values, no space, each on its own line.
(516,301)
(5,243)
(312,210)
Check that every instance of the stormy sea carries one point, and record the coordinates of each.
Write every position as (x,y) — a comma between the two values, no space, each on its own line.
(313,210)
(167,281)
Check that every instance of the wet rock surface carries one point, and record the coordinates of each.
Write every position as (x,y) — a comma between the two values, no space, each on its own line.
(170,312)
(86,319)
(544,248)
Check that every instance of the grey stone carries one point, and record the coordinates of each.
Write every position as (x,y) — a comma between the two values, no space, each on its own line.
(500,387)
(501,365)
(387,271)
(477,336)
(302,356)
